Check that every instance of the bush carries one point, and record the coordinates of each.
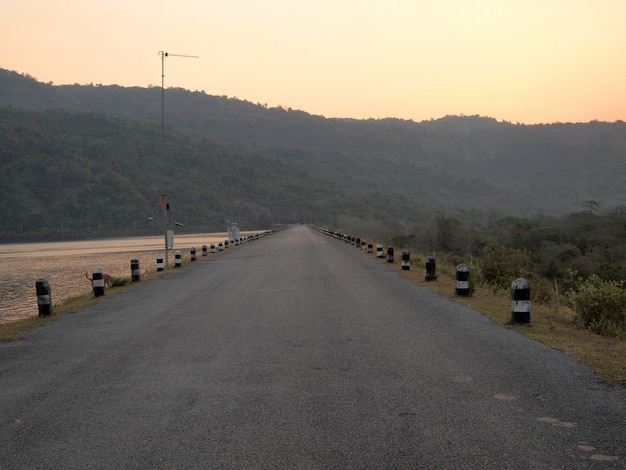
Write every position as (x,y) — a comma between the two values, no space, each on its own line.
(500,266)
(599,305)
(542,290)
(120,281)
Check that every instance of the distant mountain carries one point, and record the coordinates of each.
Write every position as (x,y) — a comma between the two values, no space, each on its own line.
(456,165)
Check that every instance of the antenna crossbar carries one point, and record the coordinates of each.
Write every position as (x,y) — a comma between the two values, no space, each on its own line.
(168,54)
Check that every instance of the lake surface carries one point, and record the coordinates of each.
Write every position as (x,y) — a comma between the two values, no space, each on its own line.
(64,265)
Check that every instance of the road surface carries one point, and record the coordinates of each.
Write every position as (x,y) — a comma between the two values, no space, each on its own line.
(297,352)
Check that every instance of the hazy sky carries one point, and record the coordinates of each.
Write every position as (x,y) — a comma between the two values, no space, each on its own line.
(524,61)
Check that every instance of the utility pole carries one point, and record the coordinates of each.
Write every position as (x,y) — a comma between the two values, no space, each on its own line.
(164,205)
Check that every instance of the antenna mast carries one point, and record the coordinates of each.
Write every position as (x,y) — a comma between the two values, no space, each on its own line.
(164,204)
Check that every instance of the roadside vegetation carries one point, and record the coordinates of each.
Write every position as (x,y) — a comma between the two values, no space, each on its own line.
(576,266)
(578,260)
(553,321)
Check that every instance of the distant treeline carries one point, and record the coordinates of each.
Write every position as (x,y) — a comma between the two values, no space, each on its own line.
(586,242)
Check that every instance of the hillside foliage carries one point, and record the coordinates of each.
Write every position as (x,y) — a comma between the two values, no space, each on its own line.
(67,175)
(452,165)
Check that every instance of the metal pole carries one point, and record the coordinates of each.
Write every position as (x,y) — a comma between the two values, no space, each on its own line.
(163,55)
(164,207)
(163,196)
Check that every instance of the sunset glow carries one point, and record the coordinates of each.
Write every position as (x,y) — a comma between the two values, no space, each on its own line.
(525,61)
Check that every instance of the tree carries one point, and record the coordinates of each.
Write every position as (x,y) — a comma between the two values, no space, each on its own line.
(592,206)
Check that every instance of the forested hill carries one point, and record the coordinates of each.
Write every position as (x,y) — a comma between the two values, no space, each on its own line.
(69,175)
(453,164)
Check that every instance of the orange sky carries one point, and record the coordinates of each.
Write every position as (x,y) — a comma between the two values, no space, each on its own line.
(525,61)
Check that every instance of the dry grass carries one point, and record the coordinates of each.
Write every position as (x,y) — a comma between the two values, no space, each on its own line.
(14,331)
(552,325)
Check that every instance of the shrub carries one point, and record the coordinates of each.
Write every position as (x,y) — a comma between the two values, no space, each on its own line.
(500,266)
(542,290)
(120,281)
(599,305)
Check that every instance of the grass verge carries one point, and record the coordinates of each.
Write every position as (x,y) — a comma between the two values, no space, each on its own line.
(552,325)
(15,330)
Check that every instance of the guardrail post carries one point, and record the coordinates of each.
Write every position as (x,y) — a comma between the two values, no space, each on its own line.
(520,301)
(390,254)
(134,270)
(159,262)
(406,260)
(97,281)
(44,297)
(431,268)
(462,280)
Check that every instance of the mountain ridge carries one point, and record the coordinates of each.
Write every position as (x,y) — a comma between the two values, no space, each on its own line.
(454,164)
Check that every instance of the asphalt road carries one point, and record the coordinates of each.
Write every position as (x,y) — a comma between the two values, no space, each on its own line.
(297,351)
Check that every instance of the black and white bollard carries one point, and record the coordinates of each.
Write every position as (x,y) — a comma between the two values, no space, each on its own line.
(204,250)
(177,259)
(135,272)
(370,248)
(212,247)
(390,254)
(462,280)
(221,246)
(97,282)
(431,269)
(160,263)
(363,245)
(379,251)
(44,297)
(406,260)
(520,300)
(192,253)
(226,244)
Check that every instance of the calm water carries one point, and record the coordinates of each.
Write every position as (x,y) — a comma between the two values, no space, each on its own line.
(64,265)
